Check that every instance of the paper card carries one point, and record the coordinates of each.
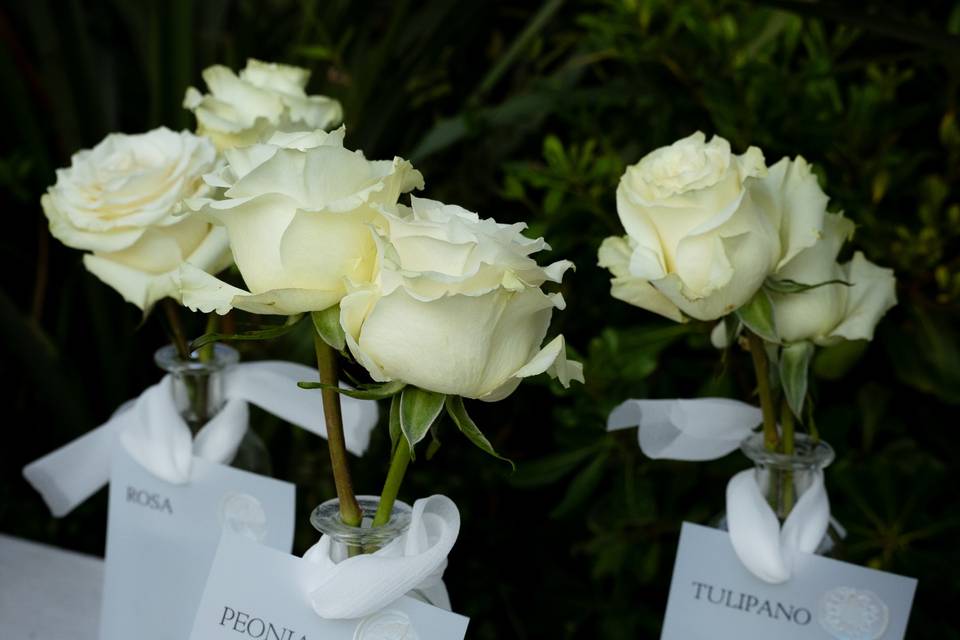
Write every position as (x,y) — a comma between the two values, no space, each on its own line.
(713,596)
(259,593)
(161,540)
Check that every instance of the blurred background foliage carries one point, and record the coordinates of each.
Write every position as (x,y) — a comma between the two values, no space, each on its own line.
(530,111)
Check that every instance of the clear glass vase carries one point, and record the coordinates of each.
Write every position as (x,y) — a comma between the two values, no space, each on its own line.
(366,538)
(199,392)
(784,477)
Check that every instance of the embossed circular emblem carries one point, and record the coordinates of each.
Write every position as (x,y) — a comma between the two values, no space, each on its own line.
(386,625)
(853,614)
(243,514)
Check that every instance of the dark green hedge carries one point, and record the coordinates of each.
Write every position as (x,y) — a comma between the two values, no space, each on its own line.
(530,112)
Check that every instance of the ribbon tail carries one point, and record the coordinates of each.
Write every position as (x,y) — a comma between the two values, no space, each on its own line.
(69,475)
(754,529)
(158,438)
(361,585)
(808,521)
(687,429)
(219,439)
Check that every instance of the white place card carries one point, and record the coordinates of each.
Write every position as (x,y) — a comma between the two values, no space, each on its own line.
(712,596)
(162,538)
(260,593)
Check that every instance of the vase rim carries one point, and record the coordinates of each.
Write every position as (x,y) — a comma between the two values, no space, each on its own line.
(326,519)
(170,361)
(808,453)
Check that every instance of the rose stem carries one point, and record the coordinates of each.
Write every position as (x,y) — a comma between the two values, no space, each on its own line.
(176,329)
(398,467)
(205,354)
(763,390)
(786,423)
(327,366)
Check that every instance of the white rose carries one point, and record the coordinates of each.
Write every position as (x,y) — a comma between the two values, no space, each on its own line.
(457,307)
(706,227)
(118,201)
(298,211)
(834,312)
(266,97)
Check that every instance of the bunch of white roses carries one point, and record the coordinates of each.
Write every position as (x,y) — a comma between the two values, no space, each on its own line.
(436,303)
(711,235)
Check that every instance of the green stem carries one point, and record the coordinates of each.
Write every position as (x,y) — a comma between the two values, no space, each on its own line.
(171,309)
(760,366)
(391,487)
(787,448)
(327,366)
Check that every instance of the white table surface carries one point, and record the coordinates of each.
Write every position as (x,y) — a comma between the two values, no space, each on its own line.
(48,593)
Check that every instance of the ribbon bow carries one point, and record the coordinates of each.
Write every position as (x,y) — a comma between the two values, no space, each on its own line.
(151,429)
(710,428)
(344,587)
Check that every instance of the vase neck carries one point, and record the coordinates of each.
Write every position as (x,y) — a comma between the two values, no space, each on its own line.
(366,538)
(784,477)
(198,382)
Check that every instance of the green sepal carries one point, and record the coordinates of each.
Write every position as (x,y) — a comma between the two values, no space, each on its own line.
(419,409)
(327,325)
(260,334)
(367,392)
(794,371)
(465,423)
(757,315)
(792,286)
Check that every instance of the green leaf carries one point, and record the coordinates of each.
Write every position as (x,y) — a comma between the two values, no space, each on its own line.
(394,423)
(794,370)
(419,409)
(757,315)
(366,392)
(260,334)
(470,429)
(327,325)
(792,286)
(581,488)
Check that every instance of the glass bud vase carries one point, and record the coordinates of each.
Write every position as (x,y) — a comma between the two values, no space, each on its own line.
(199,392)
(784,477)
(363,539)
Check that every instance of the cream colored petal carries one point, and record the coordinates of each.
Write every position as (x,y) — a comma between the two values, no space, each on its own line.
(136,287)
(213,255)
(615,255)
(873,294)
(791,195)
(107,240)
(286,302)
(200,291)
(256,229)
(553,357)
(816,263)
(320,249)
(640,228)
(703,265)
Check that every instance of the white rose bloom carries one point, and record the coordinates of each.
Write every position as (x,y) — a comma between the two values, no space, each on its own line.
(834,312)
(265,97)
(118,201)
(706,227)
(298,211)
(457,307)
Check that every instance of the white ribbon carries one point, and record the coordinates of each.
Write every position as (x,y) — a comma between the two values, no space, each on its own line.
(710,428)
(344,587)
(151,429)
